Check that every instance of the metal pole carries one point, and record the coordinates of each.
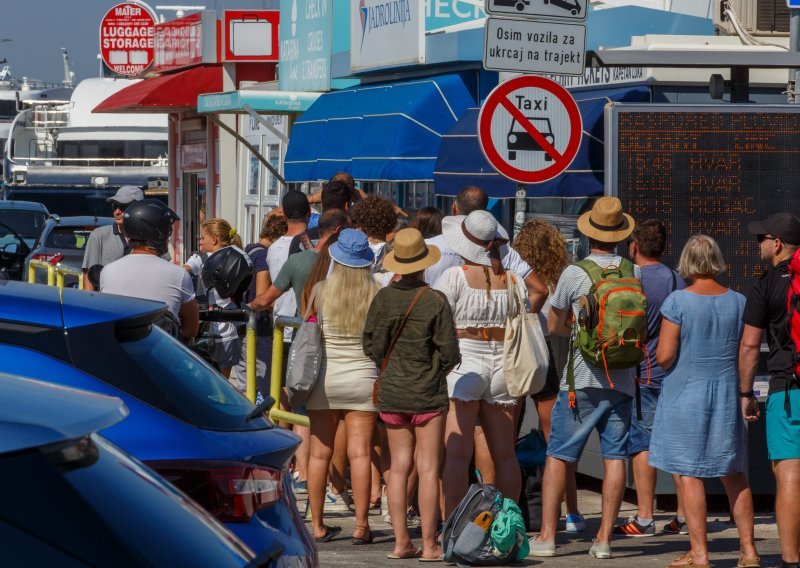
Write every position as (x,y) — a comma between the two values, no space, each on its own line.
(520,207)
(794,47)
(250,347)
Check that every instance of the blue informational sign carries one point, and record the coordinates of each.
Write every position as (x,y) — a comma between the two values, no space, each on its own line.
(443,13)
(793,3)
(305,45)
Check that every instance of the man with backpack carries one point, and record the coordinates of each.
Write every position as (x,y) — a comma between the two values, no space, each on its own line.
(599,303)
(645,248)
(767,308)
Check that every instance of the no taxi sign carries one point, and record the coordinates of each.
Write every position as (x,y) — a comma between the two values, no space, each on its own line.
(530,129)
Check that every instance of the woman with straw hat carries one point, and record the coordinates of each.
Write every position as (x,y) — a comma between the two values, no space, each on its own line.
(409,333)
(478,296)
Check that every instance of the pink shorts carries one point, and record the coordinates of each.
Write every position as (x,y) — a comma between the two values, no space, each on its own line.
(409,418)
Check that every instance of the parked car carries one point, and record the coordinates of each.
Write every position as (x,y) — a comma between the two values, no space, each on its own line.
(62,242)
(20,225)
(186,421)
(71,498)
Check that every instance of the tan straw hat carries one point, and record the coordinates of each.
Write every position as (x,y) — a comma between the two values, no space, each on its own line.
(606,222)
(410,253)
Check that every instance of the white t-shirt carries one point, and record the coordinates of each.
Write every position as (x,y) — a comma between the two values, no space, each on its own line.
(286,304)
(148,277)
(225,330)
(511,260)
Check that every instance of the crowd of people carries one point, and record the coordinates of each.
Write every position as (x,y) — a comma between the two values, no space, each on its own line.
(411,396)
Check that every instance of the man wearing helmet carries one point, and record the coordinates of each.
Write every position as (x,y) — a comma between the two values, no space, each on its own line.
(144,274)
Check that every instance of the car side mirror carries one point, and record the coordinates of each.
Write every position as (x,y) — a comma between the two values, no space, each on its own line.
(11,248)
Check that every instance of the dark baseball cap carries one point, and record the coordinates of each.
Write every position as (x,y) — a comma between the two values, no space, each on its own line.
(295,205)
(783,226)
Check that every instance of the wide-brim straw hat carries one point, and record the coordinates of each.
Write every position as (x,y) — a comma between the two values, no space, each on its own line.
(606,222)
(411,253)
(482,226)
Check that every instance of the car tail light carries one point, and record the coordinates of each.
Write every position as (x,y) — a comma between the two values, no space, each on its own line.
(231,491)
(51,258)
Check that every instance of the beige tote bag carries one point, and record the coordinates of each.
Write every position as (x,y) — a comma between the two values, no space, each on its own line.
(525,355)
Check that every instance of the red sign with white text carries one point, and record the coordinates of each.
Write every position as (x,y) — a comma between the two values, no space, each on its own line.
(126,39)
(251,35)
(179,43)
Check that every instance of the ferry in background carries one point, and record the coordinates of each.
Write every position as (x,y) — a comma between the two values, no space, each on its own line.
(18,93)
(62,155)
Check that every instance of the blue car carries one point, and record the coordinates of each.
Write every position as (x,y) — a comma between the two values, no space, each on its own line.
(186,421)
(70,498)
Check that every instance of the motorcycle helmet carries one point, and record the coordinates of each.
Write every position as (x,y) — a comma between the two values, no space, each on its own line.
(149,221)
(229,271)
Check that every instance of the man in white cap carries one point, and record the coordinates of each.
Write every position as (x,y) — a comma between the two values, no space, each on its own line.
(107,243)
(602,401)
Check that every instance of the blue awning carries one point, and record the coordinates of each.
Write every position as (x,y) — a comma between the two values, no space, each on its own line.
(462,163)
(386,132)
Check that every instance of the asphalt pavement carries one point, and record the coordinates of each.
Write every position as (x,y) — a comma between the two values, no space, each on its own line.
(573,549)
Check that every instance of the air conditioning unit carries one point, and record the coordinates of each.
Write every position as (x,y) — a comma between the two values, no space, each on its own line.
(757,17)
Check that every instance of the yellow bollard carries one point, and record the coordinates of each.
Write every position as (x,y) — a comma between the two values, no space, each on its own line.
(31,274)
(60,279)
(51,275)
(275,383)
(250,345)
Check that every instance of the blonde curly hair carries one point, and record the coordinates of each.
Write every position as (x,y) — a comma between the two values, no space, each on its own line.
(543,247)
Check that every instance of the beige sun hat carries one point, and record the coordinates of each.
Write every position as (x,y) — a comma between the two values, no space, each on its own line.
(411,253)
(606,222)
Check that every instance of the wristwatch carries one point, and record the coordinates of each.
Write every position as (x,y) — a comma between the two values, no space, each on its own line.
(747,394)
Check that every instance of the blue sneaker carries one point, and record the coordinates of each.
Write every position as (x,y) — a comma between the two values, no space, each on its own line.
(299,487)
(575,524)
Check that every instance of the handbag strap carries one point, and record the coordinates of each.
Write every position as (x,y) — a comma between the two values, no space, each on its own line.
(511,288)
(310,306)
(418,295)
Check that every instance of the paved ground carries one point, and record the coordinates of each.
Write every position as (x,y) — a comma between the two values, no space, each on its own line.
(573,549)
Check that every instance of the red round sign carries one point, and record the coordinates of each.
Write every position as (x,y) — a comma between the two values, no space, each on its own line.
(127,34)
(530,129)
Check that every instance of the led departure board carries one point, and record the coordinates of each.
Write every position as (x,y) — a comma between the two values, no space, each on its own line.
(706,169)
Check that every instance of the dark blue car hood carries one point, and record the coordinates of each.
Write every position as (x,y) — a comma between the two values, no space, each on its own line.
(39,305)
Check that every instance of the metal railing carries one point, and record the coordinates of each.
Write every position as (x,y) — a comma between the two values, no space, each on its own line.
(276,372)
(55,273)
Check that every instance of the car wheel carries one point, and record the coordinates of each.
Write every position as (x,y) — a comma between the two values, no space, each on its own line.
(512,155)
(546,2)
(520,6)
(574,12)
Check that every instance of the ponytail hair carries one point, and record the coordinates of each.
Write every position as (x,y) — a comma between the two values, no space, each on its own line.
(223,231)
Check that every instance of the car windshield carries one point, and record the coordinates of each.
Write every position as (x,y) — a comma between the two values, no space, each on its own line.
(68,238)
(150,365)
(28,224)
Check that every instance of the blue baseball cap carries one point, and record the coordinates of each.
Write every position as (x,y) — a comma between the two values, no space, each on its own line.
(352,249)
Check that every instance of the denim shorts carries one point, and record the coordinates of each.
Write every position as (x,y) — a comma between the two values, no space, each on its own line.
(606,410)
(639,439)
(783,428)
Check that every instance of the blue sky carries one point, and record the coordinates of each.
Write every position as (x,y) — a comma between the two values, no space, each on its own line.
(38,29)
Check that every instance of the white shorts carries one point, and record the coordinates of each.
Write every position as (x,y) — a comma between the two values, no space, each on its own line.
(480,374)
(226,352)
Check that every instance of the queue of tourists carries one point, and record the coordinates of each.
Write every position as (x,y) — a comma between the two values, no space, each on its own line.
(422,341)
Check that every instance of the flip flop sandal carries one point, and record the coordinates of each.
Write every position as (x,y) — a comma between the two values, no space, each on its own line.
(362,541)
(437,559)
(417,553)
(330,532)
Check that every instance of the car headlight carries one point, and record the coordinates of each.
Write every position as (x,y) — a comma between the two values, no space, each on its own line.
(512,138)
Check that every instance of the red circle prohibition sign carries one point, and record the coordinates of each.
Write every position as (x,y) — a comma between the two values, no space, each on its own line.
(499,98)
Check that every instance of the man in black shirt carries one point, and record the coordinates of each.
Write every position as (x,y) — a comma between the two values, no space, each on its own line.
(765,310)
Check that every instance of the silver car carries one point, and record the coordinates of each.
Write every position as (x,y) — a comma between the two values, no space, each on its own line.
(63,242)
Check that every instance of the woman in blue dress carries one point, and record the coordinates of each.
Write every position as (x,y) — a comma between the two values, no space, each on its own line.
(698,430)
